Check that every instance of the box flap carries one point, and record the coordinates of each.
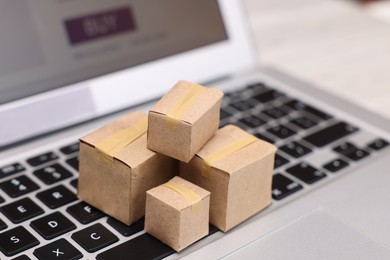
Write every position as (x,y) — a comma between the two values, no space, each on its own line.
(237,159)
(199,105)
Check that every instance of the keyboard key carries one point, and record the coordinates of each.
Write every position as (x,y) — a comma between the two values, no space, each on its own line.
(306,173)
(2,225)
(41,159)
(126,230)
(1,200)
(60,249)
(330,134)
(56,197)
(268,96)
(241,105)
(74,183)
(84,213)
(378,144)
(303,122)
(295,149)
(283,187)
(52,225)
(257,86)
(275,112)
(94,238)
(335,165)
(143,247)
(252,121)
(282,132)
(224,114)
(18,186)
(264,138)
(351,151)
(69,149)
(21,210)
(74,162)
(300,106)
(279,161)
(10,169)
(22,257)
(52,174)
(16,240)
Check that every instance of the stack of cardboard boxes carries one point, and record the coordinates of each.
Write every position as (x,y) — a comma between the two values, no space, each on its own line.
(130,168)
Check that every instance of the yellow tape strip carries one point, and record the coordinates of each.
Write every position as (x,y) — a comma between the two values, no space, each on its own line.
(115,143)
(223,152)
(188,194)
(182,105)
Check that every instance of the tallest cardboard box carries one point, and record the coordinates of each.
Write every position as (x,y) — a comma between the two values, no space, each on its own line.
(184,120)
(116,168)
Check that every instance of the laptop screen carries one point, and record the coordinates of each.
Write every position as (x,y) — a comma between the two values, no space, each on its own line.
(47,44)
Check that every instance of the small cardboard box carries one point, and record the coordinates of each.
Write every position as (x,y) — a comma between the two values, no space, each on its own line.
(116,168)
(177,213)
(237,169)
(184,120)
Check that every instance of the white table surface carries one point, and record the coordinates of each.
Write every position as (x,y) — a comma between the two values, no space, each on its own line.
(335,44)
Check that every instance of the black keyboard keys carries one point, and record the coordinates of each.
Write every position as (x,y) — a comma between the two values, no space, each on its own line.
(275,112)
(279,161)
(69,149)
(303,122)
(330,134)
(142,247)
(299,106)
(252,121)
(94,238)
(21,210)
(126,230)
(2,225)
(22,257)
(268,96)
(74,162)
(52,225)
(283,186)
(42,159)
(264,138)
(18,186)
(351,151)
(84,213)
(16,240)
(295,149)
(242,105)
(10,169)
(378,144)
(52,174)
(60,249)
(56,197)
(224,114)
(281,131)
(335,165)
(306,173)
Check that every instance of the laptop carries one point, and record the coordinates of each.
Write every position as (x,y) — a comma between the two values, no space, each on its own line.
(68,67)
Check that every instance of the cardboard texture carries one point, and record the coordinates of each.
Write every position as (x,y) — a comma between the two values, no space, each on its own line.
(239,178)
(177,219)
(117,183)
(184,120)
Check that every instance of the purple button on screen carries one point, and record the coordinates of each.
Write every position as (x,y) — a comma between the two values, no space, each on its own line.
(93,26)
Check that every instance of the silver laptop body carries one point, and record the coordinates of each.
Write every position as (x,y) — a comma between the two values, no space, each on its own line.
(68,67)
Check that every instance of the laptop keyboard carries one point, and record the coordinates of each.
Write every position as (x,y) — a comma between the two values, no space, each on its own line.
(312,146)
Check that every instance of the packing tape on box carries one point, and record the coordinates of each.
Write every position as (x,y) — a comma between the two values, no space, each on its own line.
(112,145)
(188,194)
(225,151)
(182,105)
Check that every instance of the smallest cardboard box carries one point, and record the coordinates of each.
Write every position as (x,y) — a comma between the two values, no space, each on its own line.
(237,169)
(116,168)
(184,120)
(177,213)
